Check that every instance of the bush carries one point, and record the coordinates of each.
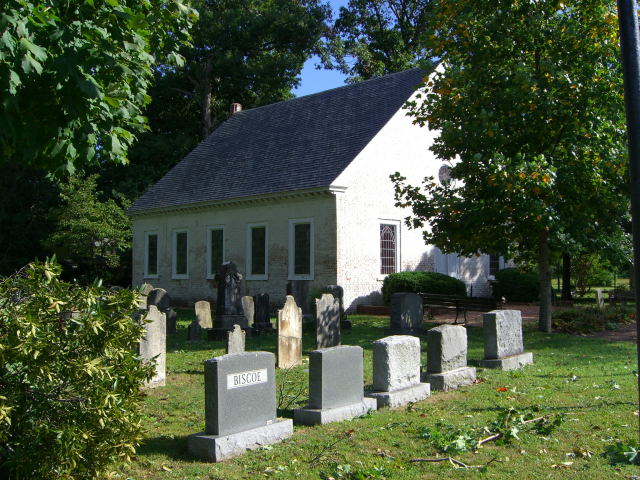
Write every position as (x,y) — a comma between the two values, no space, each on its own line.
(516,286)
(421,282)
(70,376)
(590,319)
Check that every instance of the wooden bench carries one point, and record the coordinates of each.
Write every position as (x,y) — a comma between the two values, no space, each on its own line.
(461,304)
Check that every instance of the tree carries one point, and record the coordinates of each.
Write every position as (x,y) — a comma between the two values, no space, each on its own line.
(75,76)
(529,110)
(371,38)
(90,234)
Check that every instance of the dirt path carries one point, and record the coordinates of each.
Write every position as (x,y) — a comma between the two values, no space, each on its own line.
(626,333)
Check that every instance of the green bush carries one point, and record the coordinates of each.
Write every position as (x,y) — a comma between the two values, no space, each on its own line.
(70,376)
(516,286)
(421,282)
(591,319)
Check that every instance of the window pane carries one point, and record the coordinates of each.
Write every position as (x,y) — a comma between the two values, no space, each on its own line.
(302,249)
(152,254)
(494,264)
(216,250)
(181,253)
(387,249)
(258,237)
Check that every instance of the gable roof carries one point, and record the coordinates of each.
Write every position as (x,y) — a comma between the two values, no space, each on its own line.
(297,144)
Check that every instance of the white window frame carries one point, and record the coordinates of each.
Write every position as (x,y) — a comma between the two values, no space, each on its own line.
(387,221)
(292,244)
(248,244)
(146,254)
(210,273)
(174,254)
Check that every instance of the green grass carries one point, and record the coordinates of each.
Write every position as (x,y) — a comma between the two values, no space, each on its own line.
(591,382)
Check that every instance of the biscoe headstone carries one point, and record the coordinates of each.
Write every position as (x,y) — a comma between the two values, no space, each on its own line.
(235,340)
(327,321)
(447,358)
(203,313)
(240,407)
(153,346)
(289,334)
(406,314)
(262,322)
(335,387)
(503,347)
(396,371)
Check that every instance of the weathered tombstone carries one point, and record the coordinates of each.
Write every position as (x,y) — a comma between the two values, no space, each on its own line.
(240,407)
(599,298)
(262,322)
(338,292)
(146,288)
(203,313)
(335,387)
(289,334)
(503,347)
(447,358)
(248,307)
(144,291)
(406,314)
(235,340)
(327,321)
(172,321)
(396,371)
(229,310)
(194,332)
(160,298)
(153,347)
(299,290)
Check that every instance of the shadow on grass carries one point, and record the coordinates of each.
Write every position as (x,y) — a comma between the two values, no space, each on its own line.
(173,447)
(559,408)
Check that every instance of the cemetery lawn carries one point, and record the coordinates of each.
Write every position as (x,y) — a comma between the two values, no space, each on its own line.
(591,382)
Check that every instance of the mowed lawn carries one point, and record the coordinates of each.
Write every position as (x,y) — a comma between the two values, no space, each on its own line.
(592,383)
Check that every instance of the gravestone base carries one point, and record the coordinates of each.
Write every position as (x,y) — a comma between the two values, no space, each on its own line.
(512,362)
(401,397)
(450,380)
(313,416)
(225,323)
(263,328)
(216,448)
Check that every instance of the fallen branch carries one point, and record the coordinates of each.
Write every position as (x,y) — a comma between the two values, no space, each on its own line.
(496,436)
(451,460)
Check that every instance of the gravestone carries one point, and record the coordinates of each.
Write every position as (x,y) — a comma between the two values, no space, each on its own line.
(262,323)
(203,313)
(153,347)
(160,298)
(503,347)
(447,358)
(336,390)
(599,298)
(406,314)
(289,334)
(146,288)
(172,321)
(229,310)
(144,291)
(327,321)
(235,340)
(338,292)
(396,371)
(194,332)
(248,306)
(240,407)
(299,290)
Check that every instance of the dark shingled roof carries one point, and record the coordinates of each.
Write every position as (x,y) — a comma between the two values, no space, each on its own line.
(303,143)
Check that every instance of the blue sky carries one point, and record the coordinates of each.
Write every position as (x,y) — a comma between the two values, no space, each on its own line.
(318,80)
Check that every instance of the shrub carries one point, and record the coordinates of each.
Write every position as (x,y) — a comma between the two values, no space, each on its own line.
(590,319)
(516,286)
(70,376)
(421,282)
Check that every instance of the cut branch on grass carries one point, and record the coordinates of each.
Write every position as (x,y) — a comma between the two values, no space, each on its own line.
(289,390)
(455,462)
(330,446)
(498,435)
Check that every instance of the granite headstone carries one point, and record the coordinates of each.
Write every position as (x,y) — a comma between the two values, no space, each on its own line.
(203,313)
(447,358)
(503,346)
(327,321)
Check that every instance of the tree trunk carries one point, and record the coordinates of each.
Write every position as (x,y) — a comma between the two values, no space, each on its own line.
(205,98)
(566,277)
(544,273)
